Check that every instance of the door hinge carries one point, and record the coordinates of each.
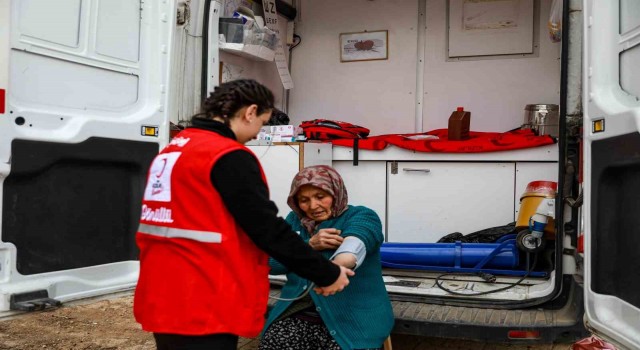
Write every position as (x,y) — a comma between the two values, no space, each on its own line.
(394,167)
(183,14)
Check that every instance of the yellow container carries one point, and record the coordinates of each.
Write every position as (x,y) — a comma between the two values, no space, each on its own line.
(535,193)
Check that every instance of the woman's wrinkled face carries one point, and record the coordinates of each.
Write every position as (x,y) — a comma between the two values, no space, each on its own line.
(315,202)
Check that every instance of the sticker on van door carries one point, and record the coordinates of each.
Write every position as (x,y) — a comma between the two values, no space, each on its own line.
(159,182)
(597,126)
(148,130)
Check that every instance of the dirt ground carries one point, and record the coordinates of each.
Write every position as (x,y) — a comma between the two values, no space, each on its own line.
(108,324)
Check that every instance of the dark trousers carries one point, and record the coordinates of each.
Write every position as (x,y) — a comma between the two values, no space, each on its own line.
(196,342)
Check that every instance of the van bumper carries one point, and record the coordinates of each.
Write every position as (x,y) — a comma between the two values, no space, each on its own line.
(563,324)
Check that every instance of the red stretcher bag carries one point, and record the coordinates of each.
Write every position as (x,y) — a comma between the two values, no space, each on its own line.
(323,129)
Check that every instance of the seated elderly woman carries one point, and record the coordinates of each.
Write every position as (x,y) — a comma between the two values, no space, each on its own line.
(359,317)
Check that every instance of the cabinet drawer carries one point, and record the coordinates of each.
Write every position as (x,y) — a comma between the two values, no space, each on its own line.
(427,200)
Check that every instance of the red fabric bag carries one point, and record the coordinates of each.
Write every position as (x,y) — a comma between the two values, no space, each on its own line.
(323,129)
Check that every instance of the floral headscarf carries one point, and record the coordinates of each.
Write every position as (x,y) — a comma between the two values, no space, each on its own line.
(325,178)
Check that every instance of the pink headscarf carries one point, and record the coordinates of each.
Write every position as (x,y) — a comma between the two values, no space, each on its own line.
(325,178)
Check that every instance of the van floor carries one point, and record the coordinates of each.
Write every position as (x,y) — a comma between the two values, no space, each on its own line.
(413,283)
(107,324)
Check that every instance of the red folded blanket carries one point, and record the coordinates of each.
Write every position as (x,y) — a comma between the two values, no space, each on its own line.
(478,141)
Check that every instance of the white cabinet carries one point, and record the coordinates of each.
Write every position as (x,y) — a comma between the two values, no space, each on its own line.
(427,200)
(366,184)
(462,192)
(282,161)
(459,193)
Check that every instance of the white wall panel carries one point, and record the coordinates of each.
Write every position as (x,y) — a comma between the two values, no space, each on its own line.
(375,94)
(495,91)
(380,94)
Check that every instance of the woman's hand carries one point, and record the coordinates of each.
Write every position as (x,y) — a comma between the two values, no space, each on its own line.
(326,238)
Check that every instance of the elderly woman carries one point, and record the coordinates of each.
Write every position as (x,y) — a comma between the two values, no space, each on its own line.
(361,316)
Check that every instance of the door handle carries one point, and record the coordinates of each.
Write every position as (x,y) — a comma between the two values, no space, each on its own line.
(417,170)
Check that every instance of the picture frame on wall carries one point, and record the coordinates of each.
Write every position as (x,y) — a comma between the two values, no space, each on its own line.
(490,27)
(364,46)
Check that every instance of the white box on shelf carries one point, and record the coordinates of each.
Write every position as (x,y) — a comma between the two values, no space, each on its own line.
(284,130)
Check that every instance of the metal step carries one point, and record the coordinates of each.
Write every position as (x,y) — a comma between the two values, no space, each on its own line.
(32,301)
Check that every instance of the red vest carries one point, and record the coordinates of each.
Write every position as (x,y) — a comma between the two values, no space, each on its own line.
(199,272)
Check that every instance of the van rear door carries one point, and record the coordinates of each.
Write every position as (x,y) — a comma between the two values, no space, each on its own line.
(612,169)
(83,112)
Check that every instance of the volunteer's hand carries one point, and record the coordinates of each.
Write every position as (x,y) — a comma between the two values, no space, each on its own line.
(338,285)
(326,238)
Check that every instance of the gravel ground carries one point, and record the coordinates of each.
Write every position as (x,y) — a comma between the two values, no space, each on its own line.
(108,324)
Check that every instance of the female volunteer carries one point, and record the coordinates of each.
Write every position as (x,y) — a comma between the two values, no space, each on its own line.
(207,226)
(361,316)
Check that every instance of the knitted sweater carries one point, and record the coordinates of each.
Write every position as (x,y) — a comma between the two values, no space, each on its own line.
(359,317)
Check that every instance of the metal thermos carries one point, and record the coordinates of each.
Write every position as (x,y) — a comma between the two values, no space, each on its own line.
(542,119)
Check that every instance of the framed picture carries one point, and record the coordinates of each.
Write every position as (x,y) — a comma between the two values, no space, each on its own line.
(490,27)
(364,46)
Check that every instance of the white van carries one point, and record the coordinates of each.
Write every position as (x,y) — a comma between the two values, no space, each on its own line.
(89,90)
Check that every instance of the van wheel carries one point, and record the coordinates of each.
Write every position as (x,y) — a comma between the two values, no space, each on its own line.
(527,242)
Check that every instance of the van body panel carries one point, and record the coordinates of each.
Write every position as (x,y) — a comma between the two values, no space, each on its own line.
(87,86)
(612,170)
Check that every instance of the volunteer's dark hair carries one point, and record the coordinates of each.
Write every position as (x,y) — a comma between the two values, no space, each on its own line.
(229,97)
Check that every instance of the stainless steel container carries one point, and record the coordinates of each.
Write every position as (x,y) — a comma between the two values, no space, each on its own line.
(542,119)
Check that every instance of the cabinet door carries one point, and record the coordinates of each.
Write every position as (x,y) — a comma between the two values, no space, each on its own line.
(428,200)
(280,164)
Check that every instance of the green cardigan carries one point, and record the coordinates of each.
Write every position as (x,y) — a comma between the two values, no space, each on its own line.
(359,317)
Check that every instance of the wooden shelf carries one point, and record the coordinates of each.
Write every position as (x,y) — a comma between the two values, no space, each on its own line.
(253,52)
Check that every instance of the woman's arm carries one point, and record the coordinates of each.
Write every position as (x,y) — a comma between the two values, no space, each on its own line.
(351,253)
(362,233)
(364,224)
(347,260)
(237,178)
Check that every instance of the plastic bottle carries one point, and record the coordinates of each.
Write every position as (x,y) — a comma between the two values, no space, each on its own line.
(459,124)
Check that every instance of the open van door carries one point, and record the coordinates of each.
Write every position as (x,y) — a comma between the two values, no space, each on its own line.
(84,88)
(612,169)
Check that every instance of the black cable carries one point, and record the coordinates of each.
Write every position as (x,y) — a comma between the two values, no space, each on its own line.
(529,268)
(295,44)
(205,50)
(514,129)
(286,107)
